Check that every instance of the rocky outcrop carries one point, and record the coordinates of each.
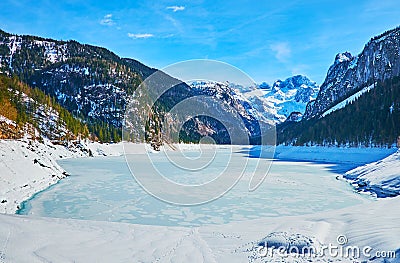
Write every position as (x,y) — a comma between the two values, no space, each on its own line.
(379,60)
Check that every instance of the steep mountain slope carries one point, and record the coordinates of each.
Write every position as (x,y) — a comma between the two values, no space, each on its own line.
(372,119)
(379,60)
(89,81)
(27,112)
(233,104)
(358,103)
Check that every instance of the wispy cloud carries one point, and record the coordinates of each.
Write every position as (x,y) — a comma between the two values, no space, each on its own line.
(282,51)
(107,20)
(177,25)
(167,36)
(176,8)
(141,35)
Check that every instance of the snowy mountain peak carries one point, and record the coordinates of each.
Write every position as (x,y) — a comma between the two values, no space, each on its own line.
(300,88)
(276,102)
(294,82)
(291,95)
(342,57)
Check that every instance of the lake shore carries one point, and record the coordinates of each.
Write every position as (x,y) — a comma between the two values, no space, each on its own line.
(29,167)
(47,239)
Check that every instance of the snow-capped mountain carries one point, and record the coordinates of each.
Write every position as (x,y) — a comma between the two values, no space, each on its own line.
(379,60)
(89,81)
(278,101)
(262,103)
(292,95)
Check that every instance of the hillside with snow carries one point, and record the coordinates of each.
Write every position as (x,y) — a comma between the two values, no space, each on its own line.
(28,166)
(381,178)
(348,100)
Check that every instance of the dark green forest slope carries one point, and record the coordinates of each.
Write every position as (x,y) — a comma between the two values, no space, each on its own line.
(372,120)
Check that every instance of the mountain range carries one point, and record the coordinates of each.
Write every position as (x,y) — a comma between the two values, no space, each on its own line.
(94,86)
(279,101)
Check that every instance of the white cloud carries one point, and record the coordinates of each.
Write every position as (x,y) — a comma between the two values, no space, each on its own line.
(176,8)
(282,51)
(144,35)
(107,20)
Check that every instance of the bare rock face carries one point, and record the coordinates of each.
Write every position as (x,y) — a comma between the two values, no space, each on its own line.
(379,60)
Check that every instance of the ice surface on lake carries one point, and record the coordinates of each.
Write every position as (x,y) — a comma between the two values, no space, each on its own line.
(103,189)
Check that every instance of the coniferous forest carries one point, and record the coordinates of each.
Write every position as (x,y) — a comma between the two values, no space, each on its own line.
(20,103)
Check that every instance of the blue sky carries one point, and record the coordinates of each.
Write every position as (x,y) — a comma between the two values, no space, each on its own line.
(266,39)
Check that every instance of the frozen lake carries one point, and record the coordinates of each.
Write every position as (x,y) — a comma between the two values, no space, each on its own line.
(103,189)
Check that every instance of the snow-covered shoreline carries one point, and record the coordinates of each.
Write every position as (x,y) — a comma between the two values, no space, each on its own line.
(28,167)
(27,239)
(374,171)
(382,178)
